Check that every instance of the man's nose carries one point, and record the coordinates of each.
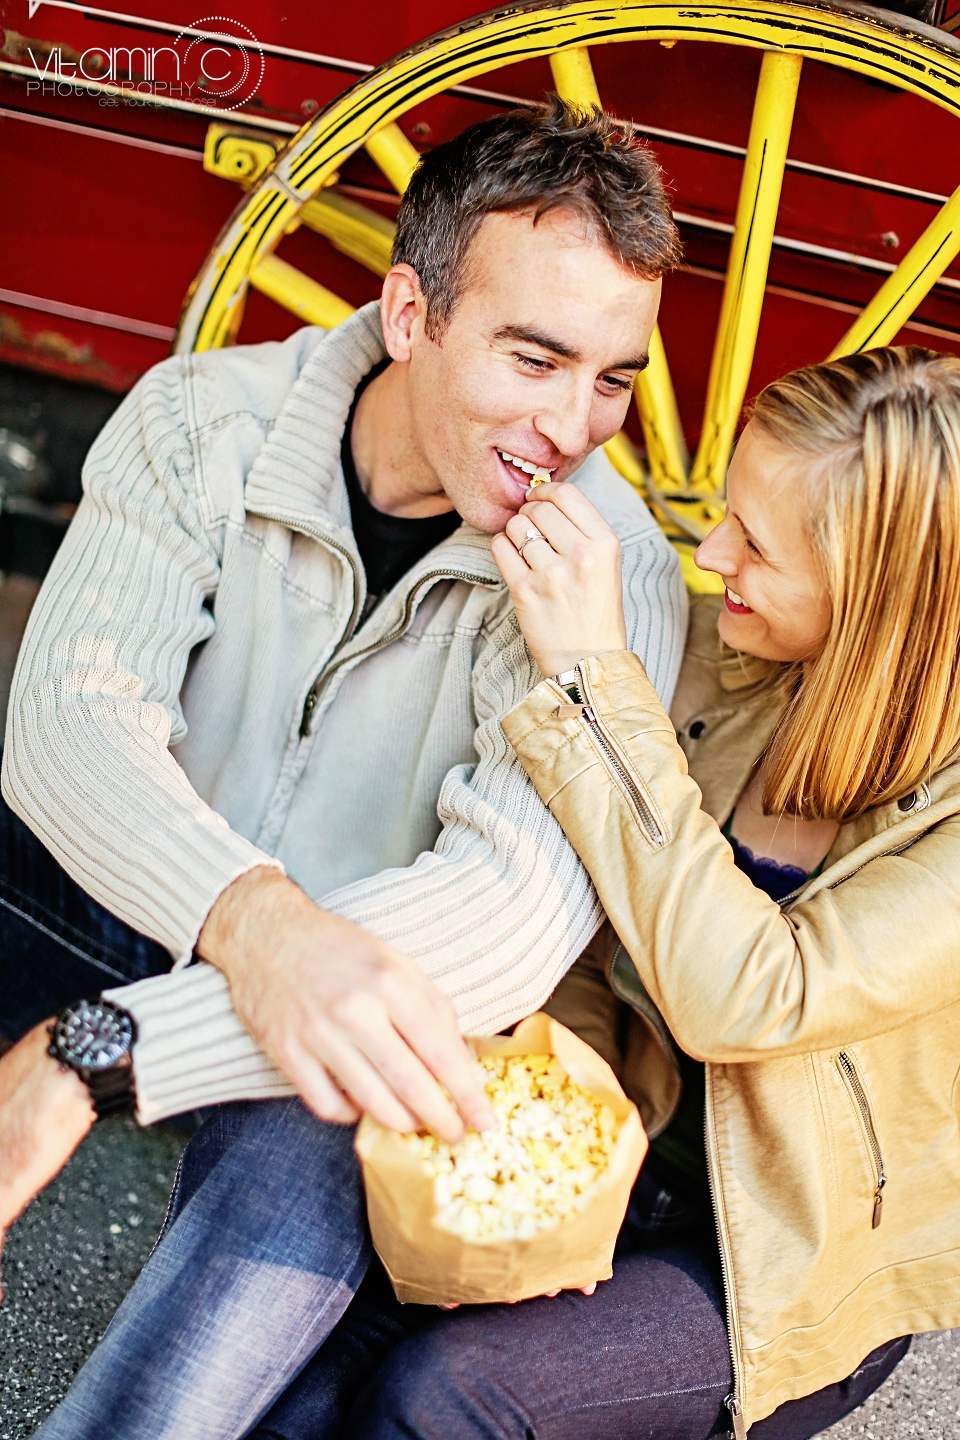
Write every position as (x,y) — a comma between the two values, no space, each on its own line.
(566,424)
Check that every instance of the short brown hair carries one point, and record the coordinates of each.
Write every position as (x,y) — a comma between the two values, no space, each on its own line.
(878,710)
(539,158)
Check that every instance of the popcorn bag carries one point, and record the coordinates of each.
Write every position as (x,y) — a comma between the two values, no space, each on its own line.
(445,1237)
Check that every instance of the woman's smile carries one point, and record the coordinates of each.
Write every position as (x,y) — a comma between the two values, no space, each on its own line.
(734,604)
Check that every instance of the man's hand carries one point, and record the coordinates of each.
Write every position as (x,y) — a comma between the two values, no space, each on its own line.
(45,1111)
(352,1023)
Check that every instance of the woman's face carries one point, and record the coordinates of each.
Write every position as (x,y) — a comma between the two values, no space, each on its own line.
(776,604)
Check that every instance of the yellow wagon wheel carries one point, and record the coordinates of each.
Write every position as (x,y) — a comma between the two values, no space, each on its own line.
(686,496)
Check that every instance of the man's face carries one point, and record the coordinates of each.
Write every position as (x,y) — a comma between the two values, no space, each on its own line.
(537,362)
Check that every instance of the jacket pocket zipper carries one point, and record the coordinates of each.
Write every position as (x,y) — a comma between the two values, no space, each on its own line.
(595,730)
(855,1085)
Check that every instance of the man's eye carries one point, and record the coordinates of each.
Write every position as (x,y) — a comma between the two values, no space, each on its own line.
(539,367)
(616,382)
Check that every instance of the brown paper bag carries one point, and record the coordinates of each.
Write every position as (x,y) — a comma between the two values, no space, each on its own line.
(430,1266)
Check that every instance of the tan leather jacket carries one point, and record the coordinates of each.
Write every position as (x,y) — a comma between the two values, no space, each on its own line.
(830,1025)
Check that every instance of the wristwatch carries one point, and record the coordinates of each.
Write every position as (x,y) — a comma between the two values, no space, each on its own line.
(95,1038)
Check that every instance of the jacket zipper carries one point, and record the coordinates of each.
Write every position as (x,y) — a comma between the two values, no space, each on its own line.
(580,695)
(849,1072)
(732,1402)
(597,734)
(320,684)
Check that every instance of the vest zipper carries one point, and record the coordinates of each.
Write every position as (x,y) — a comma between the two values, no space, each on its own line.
(580,695)
(320,684)
(855,1085)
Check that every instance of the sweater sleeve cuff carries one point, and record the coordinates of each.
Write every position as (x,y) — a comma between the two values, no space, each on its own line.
(191,1050)
(246,857)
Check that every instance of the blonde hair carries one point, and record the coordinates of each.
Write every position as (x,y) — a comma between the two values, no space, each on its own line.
(877,711)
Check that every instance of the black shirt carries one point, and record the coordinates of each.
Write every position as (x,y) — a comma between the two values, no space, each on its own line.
(389,545)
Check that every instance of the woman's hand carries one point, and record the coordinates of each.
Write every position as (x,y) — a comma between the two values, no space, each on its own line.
(566,586)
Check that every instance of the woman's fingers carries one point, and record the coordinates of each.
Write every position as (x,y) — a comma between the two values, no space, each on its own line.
(570,502)
(520,533)
(567,587)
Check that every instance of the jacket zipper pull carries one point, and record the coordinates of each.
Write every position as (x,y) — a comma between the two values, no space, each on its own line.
(878,1200)
(736,1414)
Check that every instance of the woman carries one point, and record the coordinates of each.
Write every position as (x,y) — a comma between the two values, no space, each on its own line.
(781,861)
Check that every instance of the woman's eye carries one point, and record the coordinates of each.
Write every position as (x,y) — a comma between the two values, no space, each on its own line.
(752,548)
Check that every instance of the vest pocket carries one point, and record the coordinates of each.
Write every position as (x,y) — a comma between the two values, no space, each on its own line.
(858,1094)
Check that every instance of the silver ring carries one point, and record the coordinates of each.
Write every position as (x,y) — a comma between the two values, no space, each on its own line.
(530,536)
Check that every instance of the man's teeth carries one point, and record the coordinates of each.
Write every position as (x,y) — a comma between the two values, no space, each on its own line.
(539,472)
(736,599)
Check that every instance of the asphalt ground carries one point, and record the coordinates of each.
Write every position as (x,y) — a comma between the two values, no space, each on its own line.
(73,1255)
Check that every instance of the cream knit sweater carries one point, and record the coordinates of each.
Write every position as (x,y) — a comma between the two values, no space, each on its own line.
(156,738)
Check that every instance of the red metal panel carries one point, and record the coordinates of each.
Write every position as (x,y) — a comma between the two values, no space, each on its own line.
(121,229)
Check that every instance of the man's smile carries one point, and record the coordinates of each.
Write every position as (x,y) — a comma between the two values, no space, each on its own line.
(524,473)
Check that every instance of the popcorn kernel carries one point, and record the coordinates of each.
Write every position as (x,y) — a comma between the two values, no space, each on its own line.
(531,1170)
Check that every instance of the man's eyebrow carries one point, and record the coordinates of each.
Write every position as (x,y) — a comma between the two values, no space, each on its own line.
(636,362)
(527,335)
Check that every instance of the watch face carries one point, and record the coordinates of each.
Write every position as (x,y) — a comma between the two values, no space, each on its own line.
(93,1035)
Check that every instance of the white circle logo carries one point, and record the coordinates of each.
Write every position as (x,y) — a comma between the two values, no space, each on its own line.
(230,59)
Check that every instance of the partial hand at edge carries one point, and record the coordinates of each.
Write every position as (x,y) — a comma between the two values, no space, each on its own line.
(45,1111)
(353,1024)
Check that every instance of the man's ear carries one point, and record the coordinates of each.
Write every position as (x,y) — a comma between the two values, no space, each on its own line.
(403,310)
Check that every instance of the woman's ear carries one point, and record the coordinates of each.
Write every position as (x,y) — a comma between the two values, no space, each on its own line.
(402,311)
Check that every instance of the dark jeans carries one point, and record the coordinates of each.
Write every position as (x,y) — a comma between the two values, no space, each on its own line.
(267,1207)
(56,944)
(644,1358)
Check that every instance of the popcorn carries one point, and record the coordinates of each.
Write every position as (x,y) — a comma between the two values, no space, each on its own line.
(534,1167)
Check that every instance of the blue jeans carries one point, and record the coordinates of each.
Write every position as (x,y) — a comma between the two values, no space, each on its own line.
(644,1358)
(260,1314)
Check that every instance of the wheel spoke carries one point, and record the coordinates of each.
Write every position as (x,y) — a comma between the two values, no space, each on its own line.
(747,266)
(397,158)
(899,296)
(295,291)
(662,432)
(574,80)
(573,77)
(354,229)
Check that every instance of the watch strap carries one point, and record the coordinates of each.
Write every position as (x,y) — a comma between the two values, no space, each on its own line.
(112,1091)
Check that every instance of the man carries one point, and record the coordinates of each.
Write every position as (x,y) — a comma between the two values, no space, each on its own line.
(275,640)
